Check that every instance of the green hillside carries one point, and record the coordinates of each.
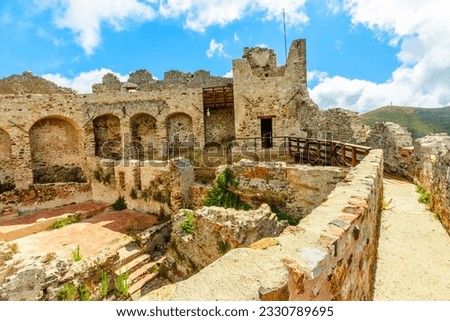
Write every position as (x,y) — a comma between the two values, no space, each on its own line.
(419,121)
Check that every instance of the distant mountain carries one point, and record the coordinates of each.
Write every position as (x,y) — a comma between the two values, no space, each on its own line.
(419,121)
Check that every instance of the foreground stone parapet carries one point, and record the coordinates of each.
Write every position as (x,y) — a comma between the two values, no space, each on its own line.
(330,255)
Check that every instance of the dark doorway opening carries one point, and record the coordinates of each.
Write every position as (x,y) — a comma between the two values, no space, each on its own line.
(266,132)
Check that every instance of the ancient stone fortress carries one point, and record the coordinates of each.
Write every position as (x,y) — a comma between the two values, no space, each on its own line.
(167,145)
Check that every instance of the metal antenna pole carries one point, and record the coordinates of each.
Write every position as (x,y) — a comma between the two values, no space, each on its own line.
(285,42)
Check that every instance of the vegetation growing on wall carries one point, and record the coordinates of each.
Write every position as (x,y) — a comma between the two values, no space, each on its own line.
(188,225)
(221,195)
(100,176)
(283,216)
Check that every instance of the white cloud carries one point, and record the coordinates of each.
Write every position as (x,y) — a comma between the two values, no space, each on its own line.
(85,17)
(228,74)
(422,29)
(84,81)
(261,45)
(236,37)
(216,48)
(200,14)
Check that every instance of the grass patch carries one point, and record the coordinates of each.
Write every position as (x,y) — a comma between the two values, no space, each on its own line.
(60,223)
(121,284)
(386,206)
(188,225)
(119,204)
(223,246)
(50,256)
(144,195)
(68,293)
(76,254)
(8,256)
(221,196)
(83,292)
(104,284)
(14,247)
(283,216)
(155,268)
(133,194)
(425,197)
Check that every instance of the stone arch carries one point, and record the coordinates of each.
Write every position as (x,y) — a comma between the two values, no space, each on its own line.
(108,141)
(6,166)
(56,151)
(144,140)
(180,134)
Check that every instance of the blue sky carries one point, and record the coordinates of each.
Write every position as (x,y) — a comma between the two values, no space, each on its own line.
(362,54)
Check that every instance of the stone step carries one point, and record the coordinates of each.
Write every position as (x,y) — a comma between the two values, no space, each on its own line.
(127,254)
(133,265)
(135,289)
(140,272)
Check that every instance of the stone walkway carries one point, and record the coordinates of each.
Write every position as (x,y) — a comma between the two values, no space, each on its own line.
(414,249)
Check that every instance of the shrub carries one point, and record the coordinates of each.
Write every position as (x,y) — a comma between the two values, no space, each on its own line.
(221,196)
(120,204)
(76,255)
(60,223)
(188,225)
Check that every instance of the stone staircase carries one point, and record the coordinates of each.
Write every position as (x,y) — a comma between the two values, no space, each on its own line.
(141,269)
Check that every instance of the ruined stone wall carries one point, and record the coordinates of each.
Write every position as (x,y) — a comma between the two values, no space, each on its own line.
(219,126)
(216,231)
(332,124)
(264,90)
(65,126)
(294,189)
(42,196)
(173,79)
(6,165)
(330,255)
(161,187)
(431,168)
(440,189)
(27,83)
(396,143)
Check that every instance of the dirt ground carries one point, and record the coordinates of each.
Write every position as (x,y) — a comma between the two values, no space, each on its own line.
(414,249)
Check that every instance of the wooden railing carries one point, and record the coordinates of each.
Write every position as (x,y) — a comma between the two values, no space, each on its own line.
(326,152)
(310,150)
